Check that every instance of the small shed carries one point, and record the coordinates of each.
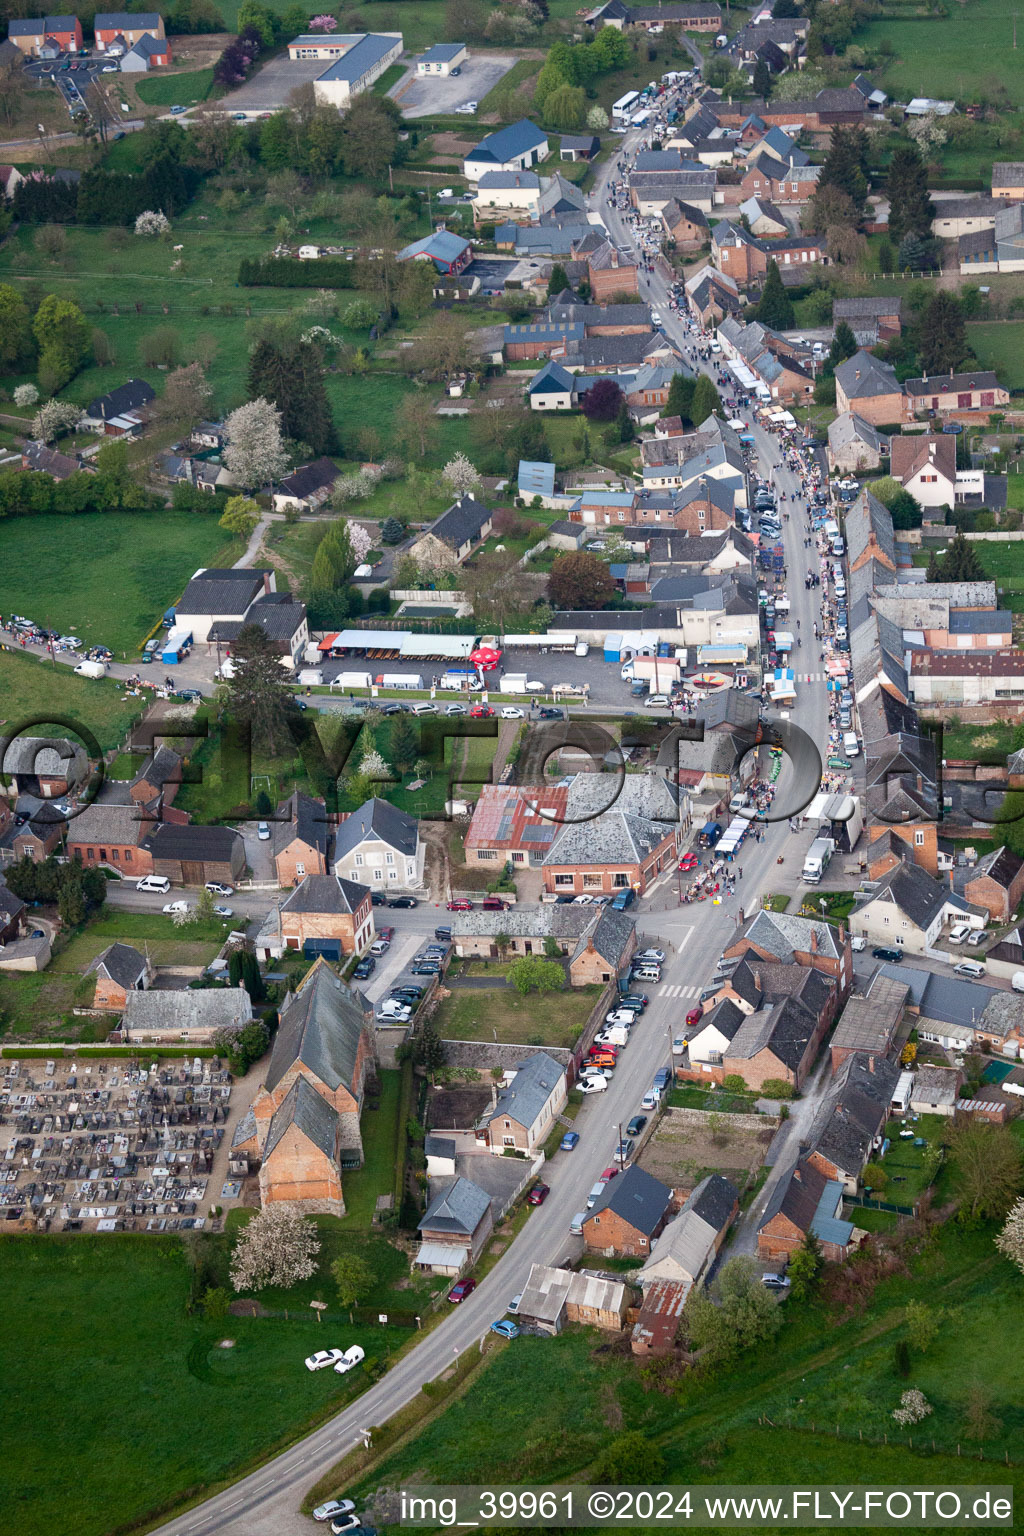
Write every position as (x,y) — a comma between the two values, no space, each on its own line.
(613,647)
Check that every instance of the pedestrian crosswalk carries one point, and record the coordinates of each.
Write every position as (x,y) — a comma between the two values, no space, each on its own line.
(677,991)
(810,677)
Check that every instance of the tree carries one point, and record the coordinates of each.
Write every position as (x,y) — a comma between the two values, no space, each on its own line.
(580,580)
(597,119)
(564,108)
(429,1050)
(805,1266)
(828,208)
(874,1177)
(354,1279)
(53,419)
(917,254)
(160,348)
(152,223)
(289,373)
(63,335)
(959,563)
(391,531)
(624,424)
(240,517)
(417,423)
(404,744)
(277,1246)
(942,334)
(910,207)
(370,130)
(1010,1240)
(185,399)
(602,401)
(845,165)
(923,1325)
(762,79)
(739,1313)
(530,973)
(775,307)
(844,345)
(255,453)
(980,1423)
(986,1165)
(459,475)
(257,691)
(631,1458)
(243,1046)
(558,282)
(15,329)
(886,256)
(680,397)
(705,401)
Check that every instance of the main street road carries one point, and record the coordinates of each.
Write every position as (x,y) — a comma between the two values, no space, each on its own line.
(266,1501)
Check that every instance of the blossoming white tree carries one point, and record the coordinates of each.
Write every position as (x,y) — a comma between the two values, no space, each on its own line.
(279,1246)
(152,222)
(459,475)
(1010,1241)
(26,394)
(53,418)
(255,452)
(914,1407)
(360,541)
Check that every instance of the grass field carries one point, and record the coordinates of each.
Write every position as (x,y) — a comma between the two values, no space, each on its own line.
(1003,563)
(543,1410)
(963,54)
(36,690)
(979,743)
(114,1343)
(1000,345)
(549,1018)
(74,587)
(161,90)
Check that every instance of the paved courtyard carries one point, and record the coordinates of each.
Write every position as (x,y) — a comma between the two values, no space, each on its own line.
(423,96)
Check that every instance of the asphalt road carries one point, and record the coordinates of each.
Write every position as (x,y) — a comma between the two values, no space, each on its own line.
(693,936)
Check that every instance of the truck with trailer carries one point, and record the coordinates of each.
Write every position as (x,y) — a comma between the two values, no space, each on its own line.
(399,680)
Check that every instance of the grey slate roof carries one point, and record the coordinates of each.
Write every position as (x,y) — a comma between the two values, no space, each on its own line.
(866,516)
(944,383)
(914,892)
(637,1198)
(854,1111)
(509,143)
(308,1112)
(307,822)
(53,757)
(784,933)
(536,1079)
(376,820)
(121,962)
(463,520)
(863,377)
(459,1209)
(11,906)
(227,592)
(161,767)
(102,822)
(180,1012)
(325,893)
(610,936)
(321,1027)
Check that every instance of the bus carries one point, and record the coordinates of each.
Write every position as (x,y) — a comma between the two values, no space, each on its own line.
(625,105)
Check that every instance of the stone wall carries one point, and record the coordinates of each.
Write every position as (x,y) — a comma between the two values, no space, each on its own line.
(733,1122)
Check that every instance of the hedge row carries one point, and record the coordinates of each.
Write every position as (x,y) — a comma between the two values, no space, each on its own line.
(289,272)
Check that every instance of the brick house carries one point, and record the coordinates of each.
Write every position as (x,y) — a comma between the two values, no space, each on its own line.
(765,1023)
(996,883)
(851,1121)
(686,225)
(119,969)
(806,941)
(604,949)
(629,1216)
(804,1200)
(49,33)
(35,839)
(324,1041)
(597,942)
(191,855)
(869,387)
(327,907)
(870,1023)
(454,1228)
(700,508)
(689,18)
(620,849)
(12,908)
(157,779)
(116,835)
(524,1111)
(610,273)
(117,31)
(869,532)
(47,766)
(512,822)
(942,394)
(300,839)
(785,186)
(745,258)
(870,320)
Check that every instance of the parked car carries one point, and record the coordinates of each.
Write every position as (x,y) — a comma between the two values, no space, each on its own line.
(177,906)
(592,1082)
(679,1045)
(456,709)
(620,1016)
(444,932)
(893,956)
(217,888)
(333,1509)
(319,1361)
(775,1282)
(424,969)
(220,910)
(352,1357)
(858,943)
(505,1329)
(365,968)
(657,955)
(546,713)
(624,1151)
(343,1524)
(461,1289)
(481,712)
(511,712)
(538,1194)
(569,1141)
(633,1000)
(636,1125)
(974,970)
(976,936)
(403,901)
(380,947)
(263,832)
(460,905)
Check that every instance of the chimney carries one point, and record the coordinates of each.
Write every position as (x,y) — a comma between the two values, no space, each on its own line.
(266,583)
(814,941)
(857,374)
(871,1065)
(757,979)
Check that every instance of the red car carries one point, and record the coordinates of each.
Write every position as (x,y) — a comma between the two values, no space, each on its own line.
(385,933)
(462,905)
(608,1175)
(481,712)
(461,1289)
(538,1194)
(689,861)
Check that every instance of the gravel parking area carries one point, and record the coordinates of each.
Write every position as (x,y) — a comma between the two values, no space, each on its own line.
(423,96)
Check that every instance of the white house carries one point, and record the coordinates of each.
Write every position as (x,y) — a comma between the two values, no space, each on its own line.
(381,847)
(366,57)
(552,389)
(515,148)
(908,909)
(442,59)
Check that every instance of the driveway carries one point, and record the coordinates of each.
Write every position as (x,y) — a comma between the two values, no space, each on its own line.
(425,95)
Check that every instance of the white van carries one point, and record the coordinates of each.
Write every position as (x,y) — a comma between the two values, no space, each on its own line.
(851,746)
(158,883)
(582,648)
(647,973)
(959,932)
(1017,981)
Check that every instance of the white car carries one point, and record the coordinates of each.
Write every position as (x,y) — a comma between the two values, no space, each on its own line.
(324,1358)
(467,109)
(71,641)
(263,831)
(653,956)
(510,712)
(177,906)
(400,1015)
(593,1083)
(679,1045)
(332,1509)
(380,946)
(858,943)
(350,1359)
(582,901)
(217,888)
(513,1305)
(621,1016)
(658,701)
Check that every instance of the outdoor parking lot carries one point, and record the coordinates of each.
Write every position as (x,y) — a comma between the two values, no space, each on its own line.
(422,95)
(273,83)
